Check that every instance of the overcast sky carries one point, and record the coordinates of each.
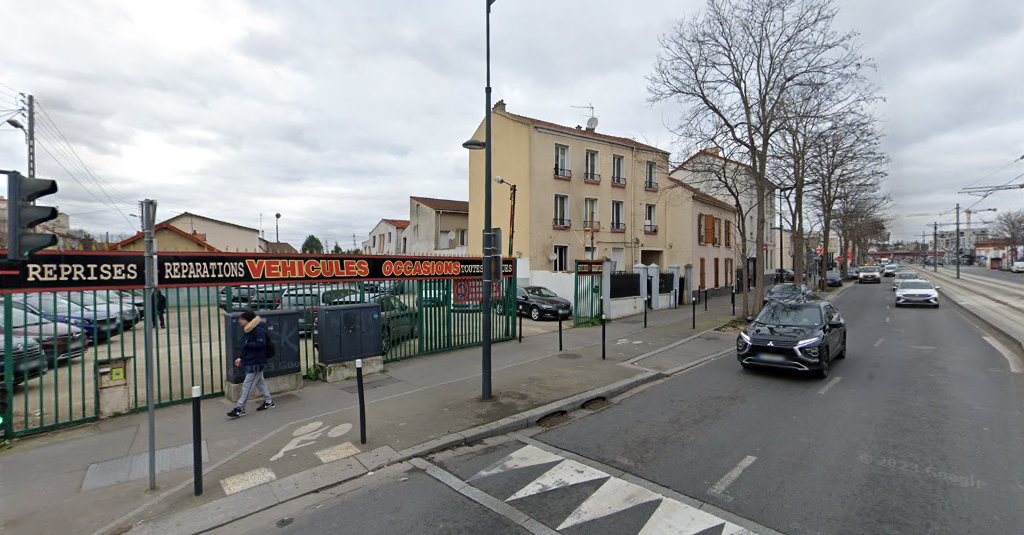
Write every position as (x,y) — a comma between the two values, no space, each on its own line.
(334,112)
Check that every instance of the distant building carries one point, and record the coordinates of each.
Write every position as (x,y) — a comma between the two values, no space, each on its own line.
(224,236)
(385,238)
(60,227)
(169,238)
(968,238)
(436,227)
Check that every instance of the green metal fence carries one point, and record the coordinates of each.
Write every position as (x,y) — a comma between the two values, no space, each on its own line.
(60,341)
(587,293)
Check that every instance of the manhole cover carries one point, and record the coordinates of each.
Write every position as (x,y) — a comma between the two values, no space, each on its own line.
(570,356)
(596,404)
(553,419)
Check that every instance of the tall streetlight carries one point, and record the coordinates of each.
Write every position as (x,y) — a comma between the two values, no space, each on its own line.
(512,211)
(488,245)
(277,227)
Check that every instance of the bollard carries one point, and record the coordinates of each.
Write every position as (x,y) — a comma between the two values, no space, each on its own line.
(693,302)
(362,401)
(645,313)
(197,441)
(559,332)
(520,328)
(733,300)
(705,299)
(602,338)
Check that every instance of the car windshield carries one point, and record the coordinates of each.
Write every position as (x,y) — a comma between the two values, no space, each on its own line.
(789,315)
(869,269)
(906,275)
(300,300)
(782,289)
(23,318)
(916,285)
(832,275)
(52,304)
(541,292)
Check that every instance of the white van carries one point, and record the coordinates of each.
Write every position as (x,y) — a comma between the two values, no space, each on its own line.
(1017,267)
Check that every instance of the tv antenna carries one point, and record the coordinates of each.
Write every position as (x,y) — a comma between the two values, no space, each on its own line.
(592,121)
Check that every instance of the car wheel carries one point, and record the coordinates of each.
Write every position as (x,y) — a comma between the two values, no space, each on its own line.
(385,340)
(823,370)
(534,313)
(842,352)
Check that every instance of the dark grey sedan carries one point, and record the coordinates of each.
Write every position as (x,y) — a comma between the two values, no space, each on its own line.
(539,302)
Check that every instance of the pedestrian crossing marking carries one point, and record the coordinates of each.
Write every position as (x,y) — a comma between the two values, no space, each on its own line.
(673,517)
(561,475)
(521,458)
(614,496)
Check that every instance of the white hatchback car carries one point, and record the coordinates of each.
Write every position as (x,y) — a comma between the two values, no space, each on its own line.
(917,292)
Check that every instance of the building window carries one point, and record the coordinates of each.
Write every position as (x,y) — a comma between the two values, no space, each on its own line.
(562,162)
(561,258)
(590,219)
(405,245)
(618,175)
(561,219)
(728,233)
(589,252)
(591,173)
(461,236)
(617,224)
(650,179)
(373,241)
(650,219)
(718,232)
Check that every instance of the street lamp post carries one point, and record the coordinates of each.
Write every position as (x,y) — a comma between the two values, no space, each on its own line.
(277,227)
(512,211)
(488,237)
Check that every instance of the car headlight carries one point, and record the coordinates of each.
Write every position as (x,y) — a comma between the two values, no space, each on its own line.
(744,336)
(811,351)
(807,342)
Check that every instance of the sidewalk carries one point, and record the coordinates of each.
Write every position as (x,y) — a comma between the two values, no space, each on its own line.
(87,477)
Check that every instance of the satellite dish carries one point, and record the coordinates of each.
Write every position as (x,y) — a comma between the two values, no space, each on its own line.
(592,123)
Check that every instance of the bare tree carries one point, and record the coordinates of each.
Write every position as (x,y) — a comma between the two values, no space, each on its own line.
(1010,225)
(734,66)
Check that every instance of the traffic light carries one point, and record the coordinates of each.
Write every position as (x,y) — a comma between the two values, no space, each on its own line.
(22,215)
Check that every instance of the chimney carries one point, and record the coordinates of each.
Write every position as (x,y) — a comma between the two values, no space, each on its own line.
(717,151)
(500,105)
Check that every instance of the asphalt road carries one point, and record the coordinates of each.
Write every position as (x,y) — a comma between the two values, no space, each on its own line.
(919,430)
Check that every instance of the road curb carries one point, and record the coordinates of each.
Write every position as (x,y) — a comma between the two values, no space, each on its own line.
(1018,345)
(223,511)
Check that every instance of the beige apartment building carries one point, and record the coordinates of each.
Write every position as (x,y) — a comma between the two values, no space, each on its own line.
(436,227)
(701,231)
(580,194)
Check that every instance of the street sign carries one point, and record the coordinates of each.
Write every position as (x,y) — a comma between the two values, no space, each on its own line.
(820,249)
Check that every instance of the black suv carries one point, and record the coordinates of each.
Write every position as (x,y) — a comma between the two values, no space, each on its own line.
(803,336)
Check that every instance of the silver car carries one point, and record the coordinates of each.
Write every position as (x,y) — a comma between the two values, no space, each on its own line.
(904,276)
(917,292)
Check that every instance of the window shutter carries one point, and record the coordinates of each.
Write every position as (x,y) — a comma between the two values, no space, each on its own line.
(709,228)
(700,228)
(728,233)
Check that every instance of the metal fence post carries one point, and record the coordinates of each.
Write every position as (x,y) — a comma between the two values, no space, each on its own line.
(520,325)
(733,300)
(362,401)
(705,299)
(8,385)
(603,337)
(148,217)
(197,441)
(645,311)
(693,303)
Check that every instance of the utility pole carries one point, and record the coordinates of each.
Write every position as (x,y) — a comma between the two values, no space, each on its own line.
(148,217)
(958,240)
(935,247)
(31,133)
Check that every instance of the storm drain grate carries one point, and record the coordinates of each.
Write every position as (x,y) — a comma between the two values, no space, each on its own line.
(597,403)
(553,419)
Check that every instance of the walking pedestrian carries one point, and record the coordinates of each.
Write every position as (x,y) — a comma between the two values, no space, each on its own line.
(160,305)
(253,360)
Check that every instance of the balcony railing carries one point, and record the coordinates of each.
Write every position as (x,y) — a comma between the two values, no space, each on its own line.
(560,223)
(651,185)
(619,181)
(618,227)
(563,174)
(595,225)
(593,178)
(650,228)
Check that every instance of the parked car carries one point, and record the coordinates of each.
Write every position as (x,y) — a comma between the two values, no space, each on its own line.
(890,270)
(241,298)
(904,276)
(27,360)
(539,302)
(852,273)
(917,292)
(804,336)
(106,304)
(308,300)
(788,292)
(869,274)
(98,325)
(833,278)
(135,297)
(57,340)
(1017,267)
(787,275)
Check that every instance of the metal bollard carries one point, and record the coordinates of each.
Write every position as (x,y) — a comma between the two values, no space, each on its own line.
(693,302)
(705,299)
(602,338)
(520,328)
(197,441)
(645,311)
(733,300)
(362,401)
(559,332)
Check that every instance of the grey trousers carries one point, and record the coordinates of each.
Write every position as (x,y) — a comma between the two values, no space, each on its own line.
(251,379)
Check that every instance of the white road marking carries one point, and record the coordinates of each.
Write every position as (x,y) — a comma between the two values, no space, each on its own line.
(718,489)
(521,458)
(614,496)
(1015,364)
(561,475)
(829,385)
(339,430)
(247,480)
(673,518)
(887,319)
(334,453)
(879,342)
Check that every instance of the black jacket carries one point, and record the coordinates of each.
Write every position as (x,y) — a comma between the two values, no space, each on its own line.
(159,302)
(254,346)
